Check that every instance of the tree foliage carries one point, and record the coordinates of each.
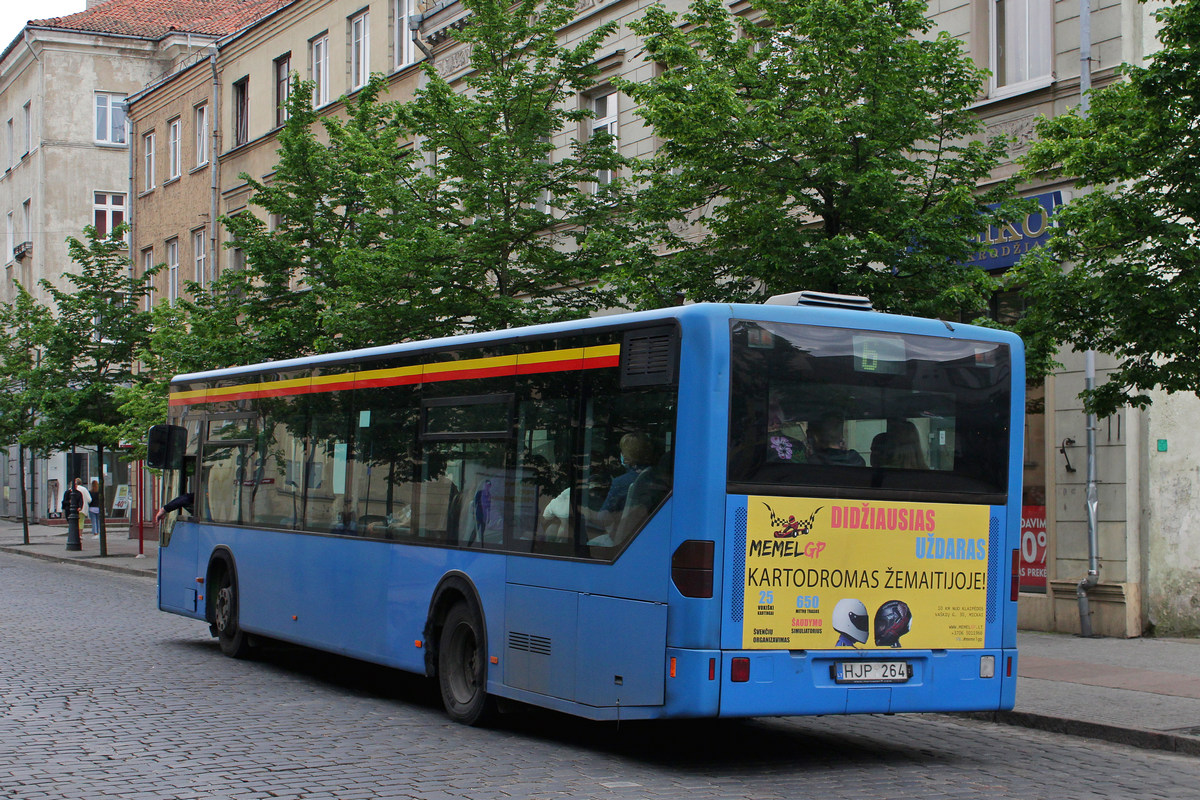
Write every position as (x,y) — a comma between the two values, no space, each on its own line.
(1132,288)
(24,325)
(521,230)
(99,327)
(819,144)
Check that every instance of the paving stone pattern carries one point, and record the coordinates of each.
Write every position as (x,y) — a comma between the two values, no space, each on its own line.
(102,696)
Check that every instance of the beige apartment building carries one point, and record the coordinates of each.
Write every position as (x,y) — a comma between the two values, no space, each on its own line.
(65,149)
(1145,460)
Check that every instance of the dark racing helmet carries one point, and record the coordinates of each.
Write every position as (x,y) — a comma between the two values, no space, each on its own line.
(892,620)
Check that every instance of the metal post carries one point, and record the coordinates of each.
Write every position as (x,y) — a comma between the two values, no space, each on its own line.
(73,498)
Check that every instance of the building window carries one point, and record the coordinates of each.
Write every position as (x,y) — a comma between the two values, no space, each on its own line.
(1022,47)
(172,270)
(360,50)
(174,145)
(241,112)
(110,118)
(319,58)
(604,122)
(405,50)
(108,211)
(199,256)
(147,265)
(9,238)
(148,162)
(283,87)
(28,114)
(12,145)
(27,219)
(202,135)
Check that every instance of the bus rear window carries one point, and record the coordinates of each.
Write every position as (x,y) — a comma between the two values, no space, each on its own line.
(834,411)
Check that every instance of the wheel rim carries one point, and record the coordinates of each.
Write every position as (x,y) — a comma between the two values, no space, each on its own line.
(223,609)
(463,682)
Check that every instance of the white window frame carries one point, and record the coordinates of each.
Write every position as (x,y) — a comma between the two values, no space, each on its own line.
(12,144)
(608,123)
(318,52)
(241,111)
(9,239)
(1021,45)
(28,114)
(202,134)
(283,88)
(360,50)
(402,12)
(149,159)
(109,209)
(147,265)
(200,255)
(174,148)
(107,103)
(172,270)
(27,219)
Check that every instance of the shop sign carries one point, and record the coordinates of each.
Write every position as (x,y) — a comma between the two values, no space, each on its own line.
(1001,246)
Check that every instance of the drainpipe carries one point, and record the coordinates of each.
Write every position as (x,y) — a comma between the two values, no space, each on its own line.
(1089,377)
(214,140)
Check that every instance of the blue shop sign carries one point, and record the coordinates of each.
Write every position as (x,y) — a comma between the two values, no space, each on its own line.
(1001,246)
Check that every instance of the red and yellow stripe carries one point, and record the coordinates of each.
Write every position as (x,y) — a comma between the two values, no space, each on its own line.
(570,360)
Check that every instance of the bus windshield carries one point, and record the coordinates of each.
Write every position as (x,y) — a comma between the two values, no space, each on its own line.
(857,413)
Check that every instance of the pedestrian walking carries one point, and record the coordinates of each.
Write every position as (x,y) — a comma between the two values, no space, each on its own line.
(95,506)
(85,500)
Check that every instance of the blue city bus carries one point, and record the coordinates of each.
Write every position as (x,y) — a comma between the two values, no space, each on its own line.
(800,507)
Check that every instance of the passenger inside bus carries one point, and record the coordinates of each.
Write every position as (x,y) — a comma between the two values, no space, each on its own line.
(899,447)
(826,435)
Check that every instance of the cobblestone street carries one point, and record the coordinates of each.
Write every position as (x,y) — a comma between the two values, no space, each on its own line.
(102,696)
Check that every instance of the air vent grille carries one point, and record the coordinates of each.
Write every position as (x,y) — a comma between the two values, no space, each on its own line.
(529,643)
(648,357)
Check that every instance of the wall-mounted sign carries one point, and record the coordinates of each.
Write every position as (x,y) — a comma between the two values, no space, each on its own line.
(1001,246)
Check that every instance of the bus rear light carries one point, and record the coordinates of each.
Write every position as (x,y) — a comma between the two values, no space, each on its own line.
(739,670)
(712,669)
(1015,590)
(1008,667)
(672,666)
(692,568)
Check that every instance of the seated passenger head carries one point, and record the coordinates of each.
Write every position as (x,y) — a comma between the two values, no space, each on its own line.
(827,432)
(637,450)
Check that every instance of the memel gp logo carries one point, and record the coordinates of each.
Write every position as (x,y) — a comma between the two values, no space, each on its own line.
(888,575)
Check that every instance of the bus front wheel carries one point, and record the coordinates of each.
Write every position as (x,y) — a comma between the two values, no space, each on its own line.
(234,641)
(462,667)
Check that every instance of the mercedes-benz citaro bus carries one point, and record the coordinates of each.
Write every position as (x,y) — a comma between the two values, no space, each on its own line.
(800,507)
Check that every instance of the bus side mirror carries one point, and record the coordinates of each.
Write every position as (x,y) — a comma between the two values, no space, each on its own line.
(165,446)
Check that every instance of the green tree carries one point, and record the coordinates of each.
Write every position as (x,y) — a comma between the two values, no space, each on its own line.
(100,326)
(335,270)
(1132,288)
(23,328)
(815,144)
(525,216)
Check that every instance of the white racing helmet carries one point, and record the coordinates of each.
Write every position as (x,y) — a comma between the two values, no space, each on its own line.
(851,619)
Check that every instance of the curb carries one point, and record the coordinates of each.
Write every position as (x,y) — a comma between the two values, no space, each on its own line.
(91,563)
(1133,737)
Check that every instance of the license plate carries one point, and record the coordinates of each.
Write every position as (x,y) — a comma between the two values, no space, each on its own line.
(872,671)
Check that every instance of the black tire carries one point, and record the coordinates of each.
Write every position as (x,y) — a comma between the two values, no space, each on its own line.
(462,667)
(233,640)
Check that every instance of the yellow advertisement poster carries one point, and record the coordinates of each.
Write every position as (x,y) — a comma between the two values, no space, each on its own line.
(830,573)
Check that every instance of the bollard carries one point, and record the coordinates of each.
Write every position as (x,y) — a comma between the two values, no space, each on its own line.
(72,512)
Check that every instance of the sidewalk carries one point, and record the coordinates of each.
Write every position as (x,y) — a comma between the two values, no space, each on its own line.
(1139,692)
(49,542)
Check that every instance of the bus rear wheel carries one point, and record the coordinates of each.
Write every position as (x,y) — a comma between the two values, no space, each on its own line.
(233,640)
(462,667)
